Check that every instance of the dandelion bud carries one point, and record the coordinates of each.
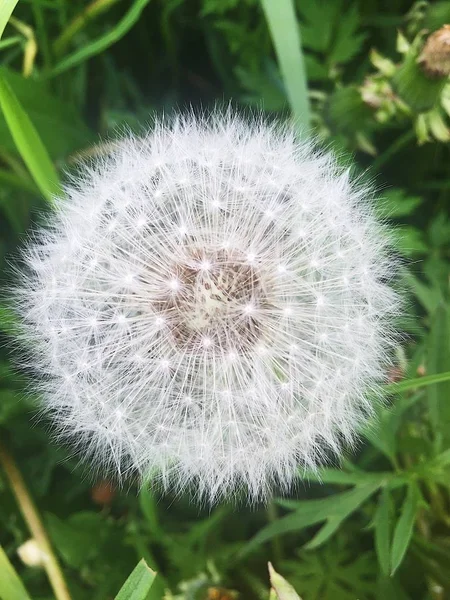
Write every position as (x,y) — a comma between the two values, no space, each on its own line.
(417,80)
(435,56)
(209,307)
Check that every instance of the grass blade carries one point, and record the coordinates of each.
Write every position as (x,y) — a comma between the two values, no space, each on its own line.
(404,528)
(6,9)
(138,584)
(11,586)
(103,42)
(383,531)
(412,384)
(28,142)
(283,26)
(438,362)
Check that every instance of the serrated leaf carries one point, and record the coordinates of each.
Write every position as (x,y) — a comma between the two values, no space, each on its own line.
(324,533)
(311,512)
(138,584)
(404,528)
(319,20)
(315,68)
(11,587)
(383,531)
(333,572)
(347,42)
(28,142)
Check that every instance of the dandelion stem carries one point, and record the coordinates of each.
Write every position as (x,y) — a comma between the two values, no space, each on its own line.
(277,548)
(395,147)
(35,525)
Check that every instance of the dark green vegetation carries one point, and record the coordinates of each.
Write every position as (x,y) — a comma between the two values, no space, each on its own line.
(379,528)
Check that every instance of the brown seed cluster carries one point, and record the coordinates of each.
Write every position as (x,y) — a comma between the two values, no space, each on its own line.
(435,56)
(213,301)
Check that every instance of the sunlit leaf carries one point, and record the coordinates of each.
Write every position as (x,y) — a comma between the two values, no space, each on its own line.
(6,9)
(283,27)
(283,589)
(28,142)
(11,587)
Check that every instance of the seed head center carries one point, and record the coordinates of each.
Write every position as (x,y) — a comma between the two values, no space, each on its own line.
(216,288)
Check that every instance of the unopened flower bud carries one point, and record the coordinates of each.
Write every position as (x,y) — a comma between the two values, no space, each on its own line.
(435,56)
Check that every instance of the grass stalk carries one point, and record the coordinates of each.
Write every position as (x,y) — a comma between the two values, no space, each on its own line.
(35,525)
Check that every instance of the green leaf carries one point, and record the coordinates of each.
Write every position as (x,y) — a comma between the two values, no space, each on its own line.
(283,589)
(6,9)
(284,30)
(347,42)
(8,178)
(11,588)
(138,584)
(429,297)
(8,320)
(28,142)
(334,510)
(102,43)
(383,531)
(337,571)
(341,477)
(397,203)
(404,528)
(413,384)
(79,538)
(58,124)
(149,508)
(443,459)
(438,361)
(319,19)
(10,405)
(409,240)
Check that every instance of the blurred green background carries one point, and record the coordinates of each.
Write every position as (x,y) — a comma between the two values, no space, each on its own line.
(73,74)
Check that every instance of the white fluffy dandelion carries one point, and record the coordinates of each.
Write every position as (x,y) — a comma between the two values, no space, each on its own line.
(209,305)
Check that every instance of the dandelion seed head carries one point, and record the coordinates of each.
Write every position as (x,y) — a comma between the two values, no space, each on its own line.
(210,306)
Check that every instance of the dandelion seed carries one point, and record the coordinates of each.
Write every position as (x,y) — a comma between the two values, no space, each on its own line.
(210,306)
